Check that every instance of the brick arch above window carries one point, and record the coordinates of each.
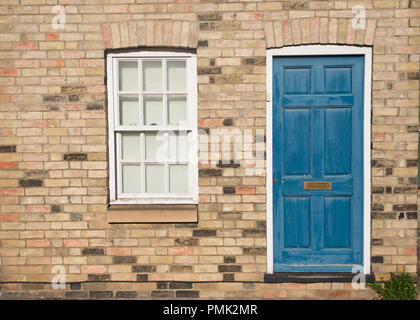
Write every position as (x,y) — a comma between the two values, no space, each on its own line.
(154,33)
(282,33)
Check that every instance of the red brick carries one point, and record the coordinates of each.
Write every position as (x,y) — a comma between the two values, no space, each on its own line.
(9,217)
(55,63)
(204,198)
(8,72)
(407,49)
(339,294)
(38,208)
(378,137)
(314,30)
(410,251)
(249,16)
(93,269)
(11,191)
(38,243)
(52,36)
(7,132)
(106,32)
(9,200)
(7,98)
(210,122)
(8,165)
(25,45)
(245,190)
(76,243)
(202,165)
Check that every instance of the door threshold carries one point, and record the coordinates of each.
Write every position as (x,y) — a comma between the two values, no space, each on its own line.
(315,277)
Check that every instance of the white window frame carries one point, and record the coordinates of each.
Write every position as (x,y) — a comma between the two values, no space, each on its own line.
(113,127)
(322,50)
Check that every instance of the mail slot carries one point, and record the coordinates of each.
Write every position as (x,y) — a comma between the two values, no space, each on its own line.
(317,185)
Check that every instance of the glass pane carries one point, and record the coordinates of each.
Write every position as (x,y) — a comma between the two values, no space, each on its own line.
(178,178)
(177,76)
(131,178)
(178,146)
(154,146)
(128,75)
(152,76)
(155,178)
(153,111)
(177,110)
(129,111)
(130,144)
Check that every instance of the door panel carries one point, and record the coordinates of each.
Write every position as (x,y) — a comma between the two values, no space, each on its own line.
(317,163)
(298,80)
(297,120)
(297,222)
(338,150)
(338,79)
(337,213)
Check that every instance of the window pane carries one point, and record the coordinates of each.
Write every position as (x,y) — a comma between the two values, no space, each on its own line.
(178,178)
(131,178)
(154,146)
(177,76)
(129,111)
(153,110)
(128,75)
(177,110)
(130,144)
(152,76)
(155,178)
(178,146)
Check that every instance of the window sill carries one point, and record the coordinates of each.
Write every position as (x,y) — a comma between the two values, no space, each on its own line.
(152,213)
(154,201)
(314,277)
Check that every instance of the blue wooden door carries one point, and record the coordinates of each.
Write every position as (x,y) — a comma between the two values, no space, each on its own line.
(317,163)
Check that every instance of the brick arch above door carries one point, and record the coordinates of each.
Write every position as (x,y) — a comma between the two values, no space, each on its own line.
(290,32)
(153,33)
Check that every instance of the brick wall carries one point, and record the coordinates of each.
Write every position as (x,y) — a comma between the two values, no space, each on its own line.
(53,144)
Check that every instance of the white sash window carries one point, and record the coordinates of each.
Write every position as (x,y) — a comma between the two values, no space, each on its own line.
(152,117)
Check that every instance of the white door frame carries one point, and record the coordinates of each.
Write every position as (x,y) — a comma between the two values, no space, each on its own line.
(322,50)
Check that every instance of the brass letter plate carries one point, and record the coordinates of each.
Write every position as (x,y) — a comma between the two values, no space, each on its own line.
(317,185)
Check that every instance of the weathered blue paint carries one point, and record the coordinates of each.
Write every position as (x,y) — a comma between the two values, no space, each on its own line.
(318,136)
